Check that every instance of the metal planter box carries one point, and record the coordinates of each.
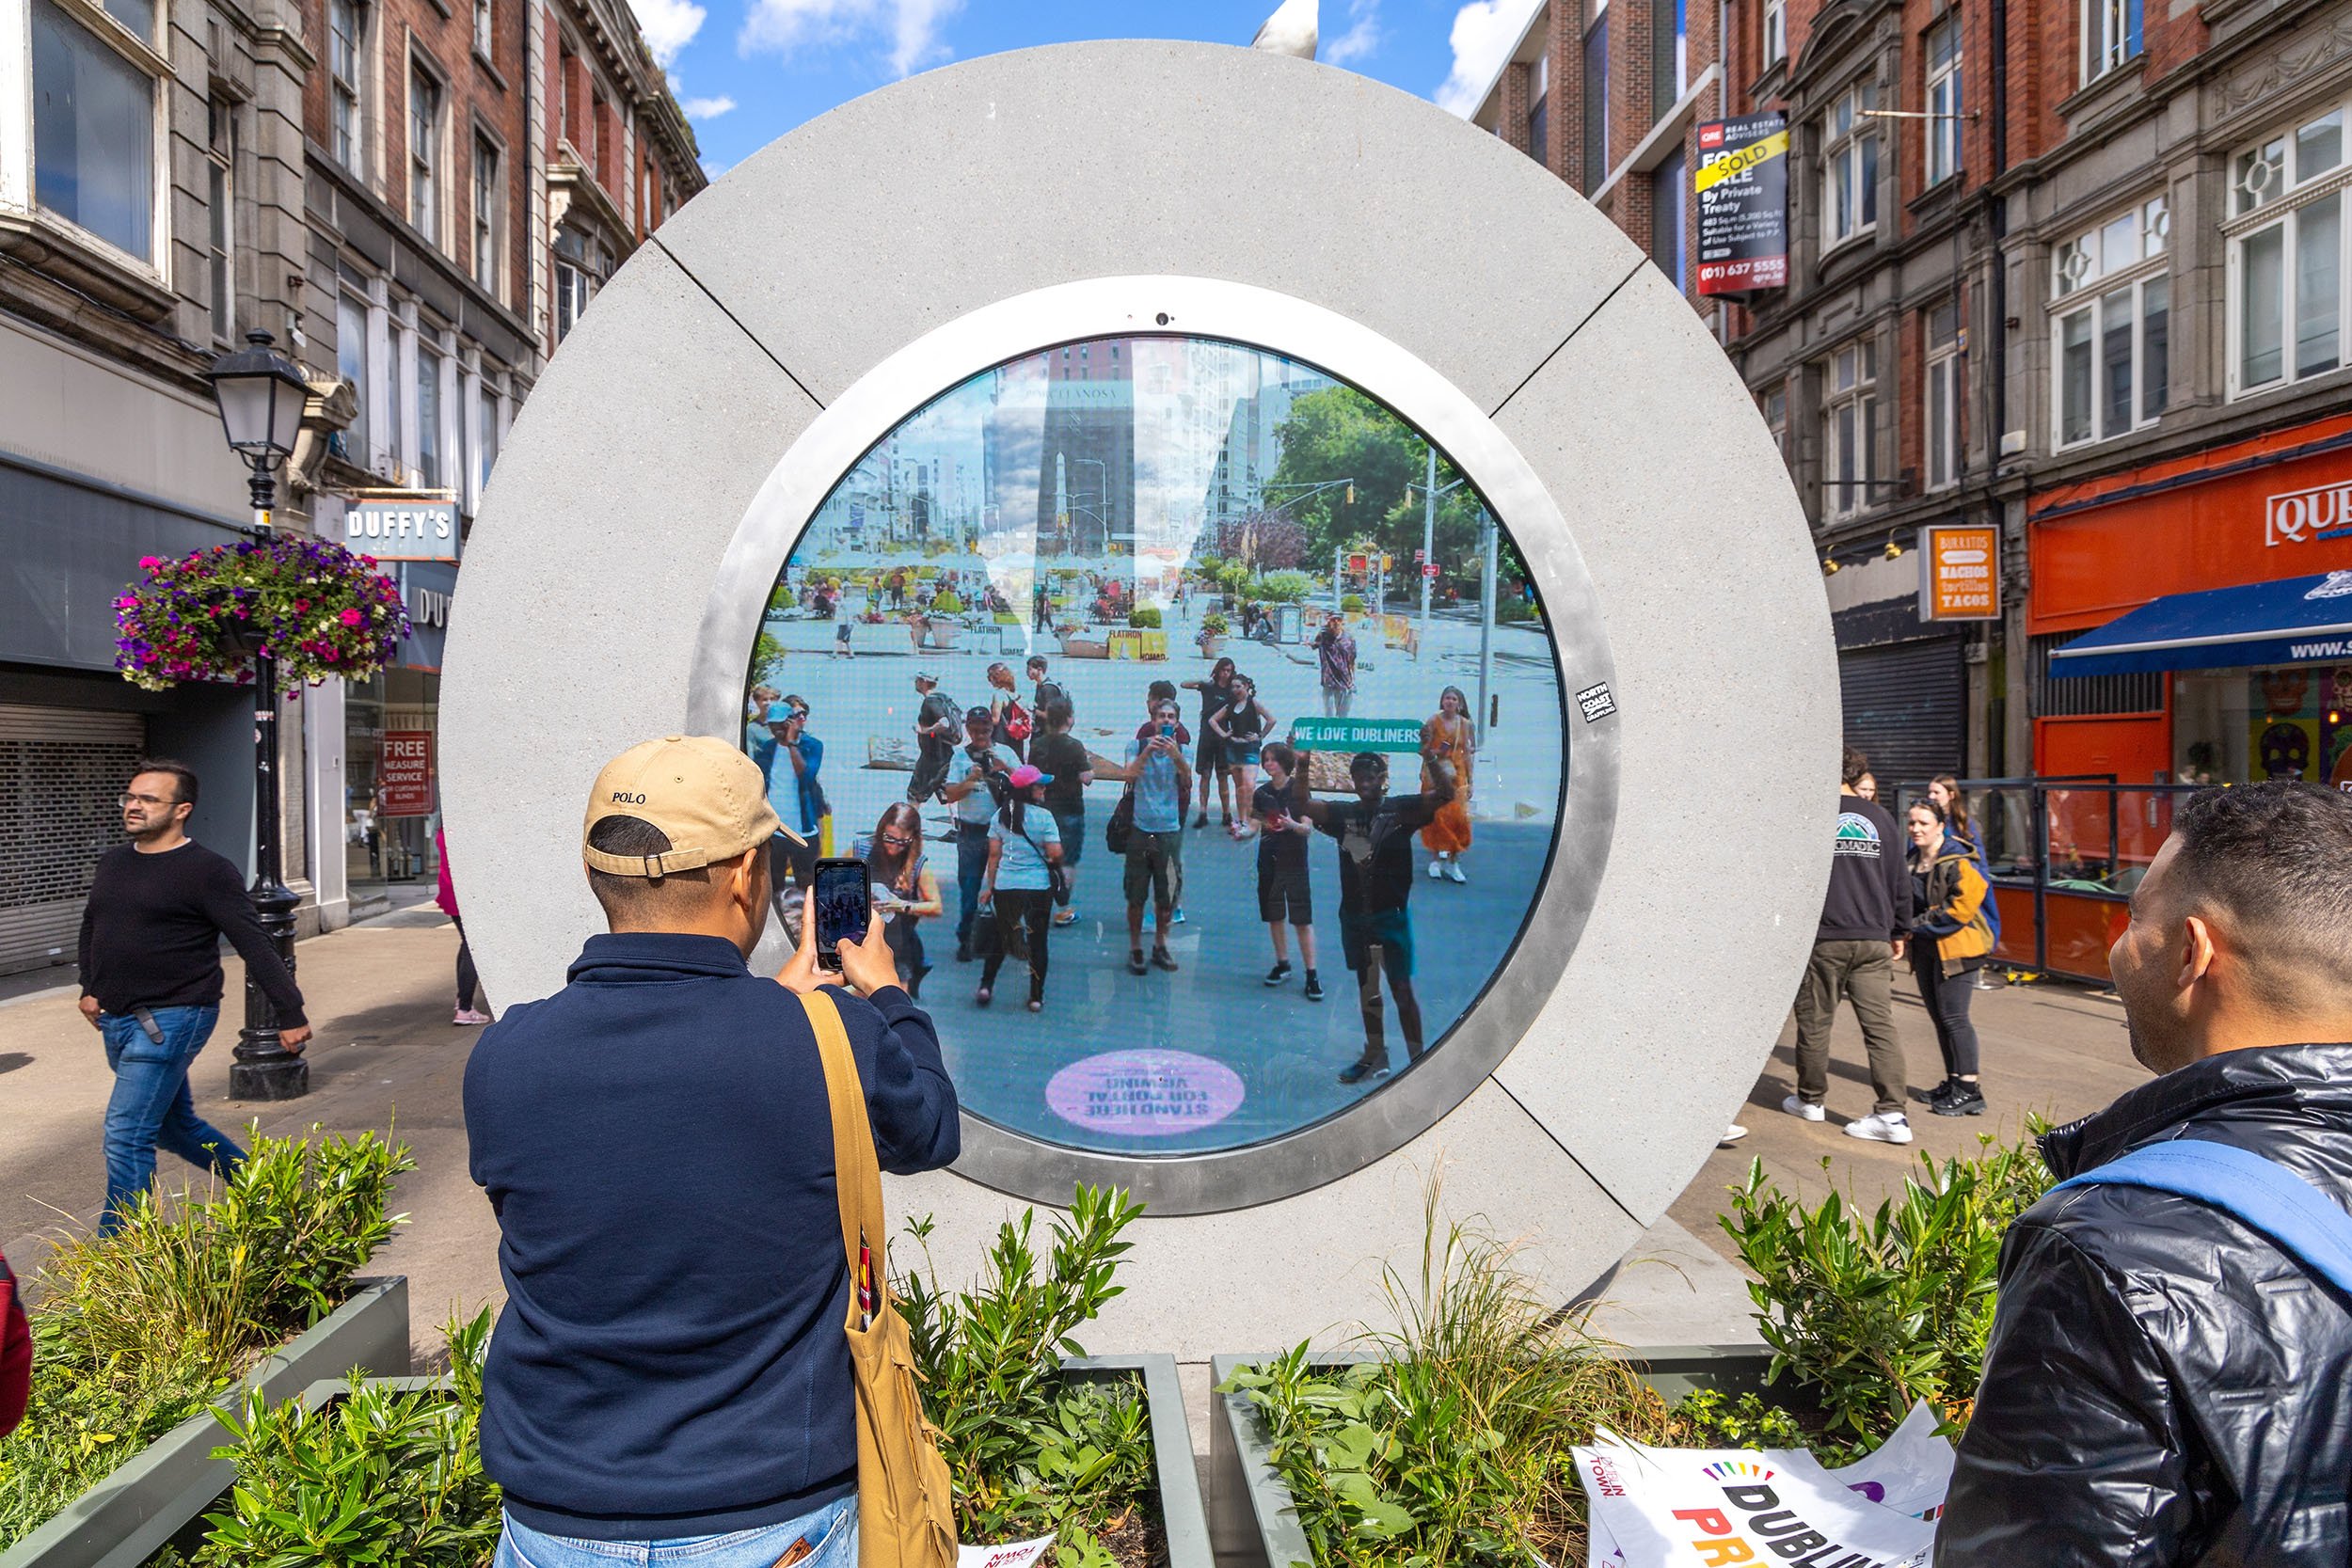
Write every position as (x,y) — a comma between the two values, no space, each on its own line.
(121,1522)
(1255,1526)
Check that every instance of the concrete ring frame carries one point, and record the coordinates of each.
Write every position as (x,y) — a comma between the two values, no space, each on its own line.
(1257,318)
(726,375)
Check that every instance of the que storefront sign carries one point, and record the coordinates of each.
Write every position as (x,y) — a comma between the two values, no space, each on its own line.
(1959,574)
(2307,517)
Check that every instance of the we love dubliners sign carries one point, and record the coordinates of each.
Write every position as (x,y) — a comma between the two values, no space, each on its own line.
(1355,735)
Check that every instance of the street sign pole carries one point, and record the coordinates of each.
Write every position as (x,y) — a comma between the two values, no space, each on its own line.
(1429,547)
(1485,628)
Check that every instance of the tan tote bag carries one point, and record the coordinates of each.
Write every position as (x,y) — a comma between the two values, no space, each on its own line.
(905,1501)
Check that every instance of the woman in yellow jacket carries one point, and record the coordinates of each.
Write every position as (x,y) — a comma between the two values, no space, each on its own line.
(1949,941)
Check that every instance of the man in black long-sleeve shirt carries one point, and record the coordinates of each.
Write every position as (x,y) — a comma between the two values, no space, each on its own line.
(1865,921)
(657,1145)
(151,980)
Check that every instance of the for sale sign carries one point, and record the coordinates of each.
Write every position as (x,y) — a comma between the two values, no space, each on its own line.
(1742,189)
(404,773)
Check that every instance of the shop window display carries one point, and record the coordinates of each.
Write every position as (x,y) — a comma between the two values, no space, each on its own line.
(999,589)
(2235,726)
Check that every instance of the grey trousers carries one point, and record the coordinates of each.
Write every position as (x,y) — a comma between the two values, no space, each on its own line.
(1863,973)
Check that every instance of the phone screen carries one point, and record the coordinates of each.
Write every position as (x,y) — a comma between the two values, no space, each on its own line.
(844,906)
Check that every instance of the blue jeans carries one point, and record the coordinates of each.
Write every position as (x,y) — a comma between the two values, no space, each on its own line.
(830,1531)
(971,866)
(151,1108)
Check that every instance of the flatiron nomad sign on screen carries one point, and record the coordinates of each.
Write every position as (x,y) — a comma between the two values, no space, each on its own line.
(1959,577)
(1742,187)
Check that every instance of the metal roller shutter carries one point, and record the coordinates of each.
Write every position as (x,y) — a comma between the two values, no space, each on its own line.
(1905,707)
(61,769)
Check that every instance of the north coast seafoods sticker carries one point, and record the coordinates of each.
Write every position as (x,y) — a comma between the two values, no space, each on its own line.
(1716,1507)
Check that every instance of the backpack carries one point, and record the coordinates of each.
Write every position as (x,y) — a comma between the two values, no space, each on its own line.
(1017,723)
(2297,1218)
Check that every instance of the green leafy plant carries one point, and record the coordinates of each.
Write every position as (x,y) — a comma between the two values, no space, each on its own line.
(140,1330)
(946,602)
(1215,624)
(1453,1448)
(1871,1314)
(1032,1453)
(1145,616)
(381,1476)
(1352,604)
(1712,1419)
(1286,587)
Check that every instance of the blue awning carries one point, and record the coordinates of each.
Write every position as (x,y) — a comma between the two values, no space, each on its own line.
(2297,621)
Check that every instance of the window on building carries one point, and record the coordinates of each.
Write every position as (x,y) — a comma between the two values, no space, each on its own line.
(346,29)
(594,148)
(1943,395)
(485,29)
(2287,264)
(428,417)
(1850,428)
(424,153)
(489,209)
(582,265)
(1850,167)
(566,65)
(1773,401)
(2111,322)
(94,107)
(351,363)
(486,440)
(1597,101)
(2110,35)
(220,216)
(1669,208)
(1670,54)
(1776,31)
(1944,100)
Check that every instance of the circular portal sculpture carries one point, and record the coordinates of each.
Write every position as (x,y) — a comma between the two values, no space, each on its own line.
(805,449)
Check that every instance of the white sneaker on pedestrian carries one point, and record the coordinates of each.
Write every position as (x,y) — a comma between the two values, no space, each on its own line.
(1437,869)
(1891,1128)
(1801,1111)
(1454,871)
(469,1015)
(1732,1134)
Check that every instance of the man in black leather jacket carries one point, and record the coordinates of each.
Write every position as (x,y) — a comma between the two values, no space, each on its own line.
(2164,1385)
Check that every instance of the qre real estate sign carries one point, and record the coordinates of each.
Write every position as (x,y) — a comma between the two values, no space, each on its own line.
(1742,188)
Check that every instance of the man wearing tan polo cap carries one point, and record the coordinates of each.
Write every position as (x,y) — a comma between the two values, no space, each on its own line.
(655,1139)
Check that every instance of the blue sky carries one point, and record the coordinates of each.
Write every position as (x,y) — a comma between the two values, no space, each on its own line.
(749,70)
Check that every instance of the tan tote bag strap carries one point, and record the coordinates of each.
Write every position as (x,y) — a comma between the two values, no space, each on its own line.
(857,1176)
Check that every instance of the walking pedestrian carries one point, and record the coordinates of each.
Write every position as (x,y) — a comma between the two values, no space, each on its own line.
(971,803)
(1042,690)
(1069,768)
(1949,940)
(1009,723)
(1446,736)
(1376,840)
(1241,728)
(894,862)
(16,1353)
(1864,923)
(1335,666)
(2165,1379)
(1024,846)
(1285,894)
(1209,761)
(151,980)
(657,1143)
(937,723)
(1156,777)
(445,896)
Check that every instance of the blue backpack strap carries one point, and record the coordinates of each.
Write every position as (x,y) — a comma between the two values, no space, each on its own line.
(2297,1217)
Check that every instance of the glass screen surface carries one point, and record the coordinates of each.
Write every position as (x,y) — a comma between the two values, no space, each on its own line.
(1211,606)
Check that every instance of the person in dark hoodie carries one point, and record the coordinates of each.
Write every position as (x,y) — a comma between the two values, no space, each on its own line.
(670,1369)
(2168,1382)
(1865,921)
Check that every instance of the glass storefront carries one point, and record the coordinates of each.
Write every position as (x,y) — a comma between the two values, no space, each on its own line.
(391,723)
(2235,726)
(1048,543)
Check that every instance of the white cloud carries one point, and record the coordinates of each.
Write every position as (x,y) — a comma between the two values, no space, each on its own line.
(707,108)
(714,169)
(1485,33)
(669,26)
(910,26)
(1363,36)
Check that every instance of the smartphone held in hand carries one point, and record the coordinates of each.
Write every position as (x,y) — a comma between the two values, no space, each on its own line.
(844,906)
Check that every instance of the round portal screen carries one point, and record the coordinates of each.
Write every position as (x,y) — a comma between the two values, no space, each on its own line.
(1199,729)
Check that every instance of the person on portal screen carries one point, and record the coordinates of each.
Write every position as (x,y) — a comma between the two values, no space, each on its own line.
(1335,666)
(972,800)
(1375,838)
(1024,845)
(1209,761)
(1070,768)
(1157,778)
(1285,897)
(937,723)
(1447,737)
(1241,727)
(893,864)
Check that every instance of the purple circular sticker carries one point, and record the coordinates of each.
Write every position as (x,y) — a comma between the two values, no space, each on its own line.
(1145,1093)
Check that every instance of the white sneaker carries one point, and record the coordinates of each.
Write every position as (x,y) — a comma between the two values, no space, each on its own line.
(1454,871)
(469,1016)
(1802,1112)
(1732,1134)
(1892,1128)
(1437,869)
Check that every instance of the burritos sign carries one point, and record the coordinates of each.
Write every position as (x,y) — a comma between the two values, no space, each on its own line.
(1959,574)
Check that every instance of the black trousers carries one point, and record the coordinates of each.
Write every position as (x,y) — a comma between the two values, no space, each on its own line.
(467,982)
(1021,910)
(1946,999)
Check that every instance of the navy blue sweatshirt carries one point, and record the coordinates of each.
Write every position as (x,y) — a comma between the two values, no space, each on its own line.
(656,1140)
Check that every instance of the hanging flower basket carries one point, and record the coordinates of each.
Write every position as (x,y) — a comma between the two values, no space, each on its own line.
(311,605)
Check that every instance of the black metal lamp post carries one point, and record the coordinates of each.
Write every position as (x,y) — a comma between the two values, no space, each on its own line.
(262,393)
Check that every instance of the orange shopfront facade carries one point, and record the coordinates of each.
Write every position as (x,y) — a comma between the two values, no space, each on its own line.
(2266,510)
